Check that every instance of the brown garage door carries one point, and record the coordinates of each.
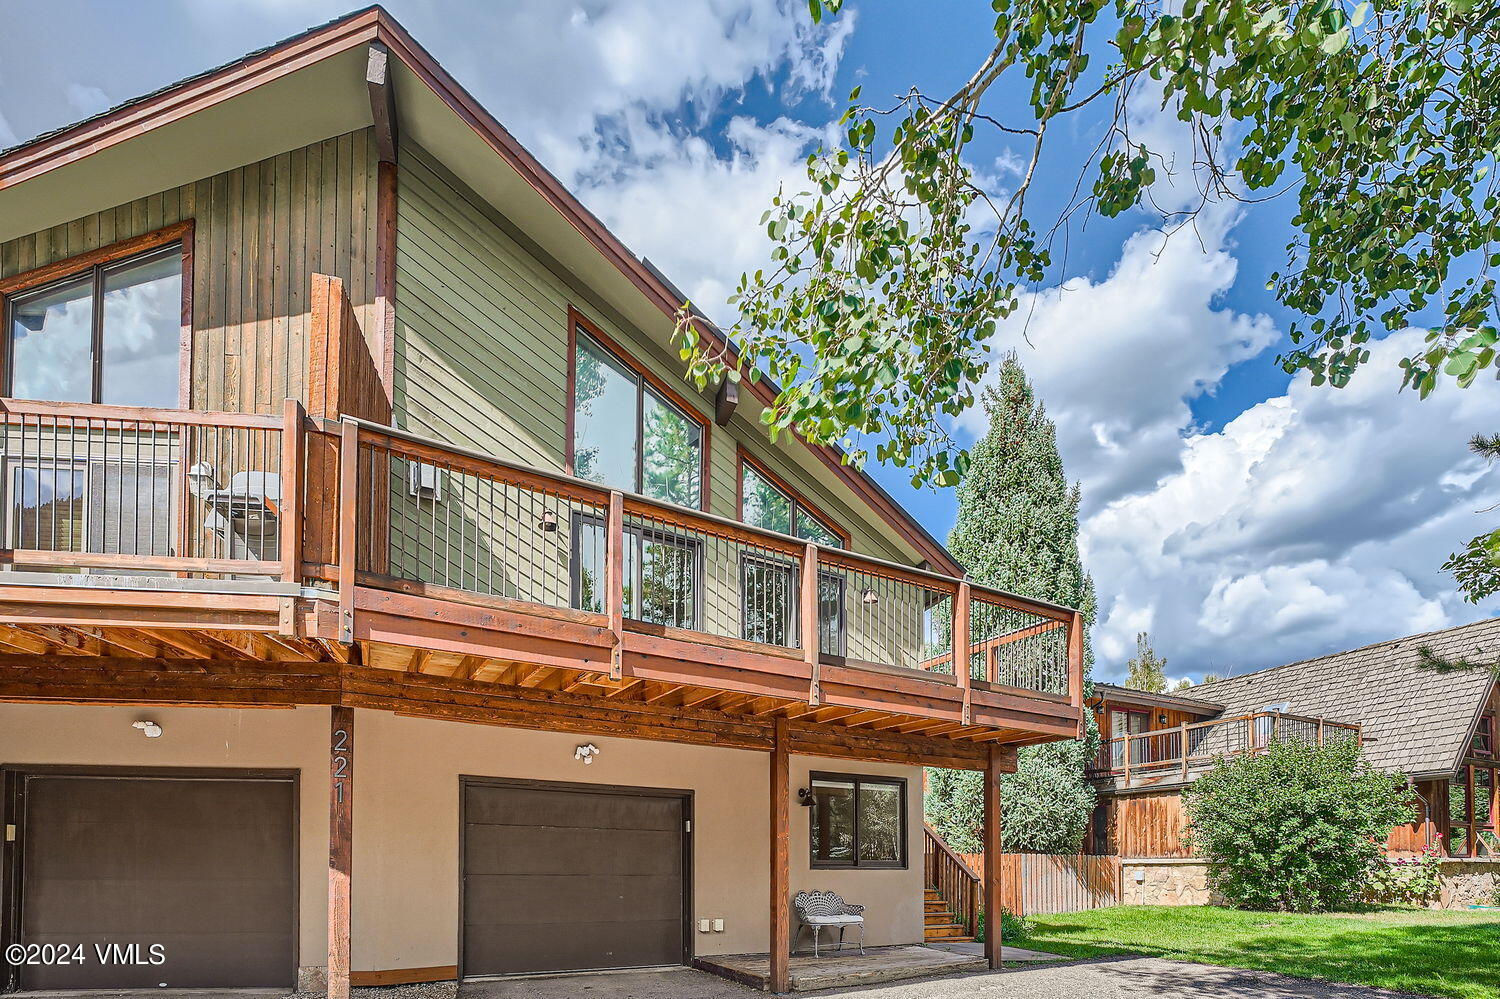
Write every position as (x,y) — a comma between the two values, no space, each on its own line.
(571,879)
(202,867)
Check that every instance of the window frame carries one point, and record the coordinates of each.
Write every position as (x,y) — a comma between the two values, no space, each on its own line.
(637,536)
(773,562)
(578,322)
(93,263)
(855,863)
(798,501)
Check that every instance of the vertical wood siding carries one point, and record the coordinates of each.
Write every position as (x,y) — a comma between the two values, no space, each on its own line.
(261,231)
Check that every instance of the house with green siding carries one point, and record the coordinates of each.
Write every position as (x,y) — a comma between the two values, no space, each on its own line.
(380,604)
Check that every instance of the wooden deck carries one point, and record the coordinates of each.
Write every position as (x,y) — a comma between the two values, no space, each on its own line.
(844,969)
(494,593)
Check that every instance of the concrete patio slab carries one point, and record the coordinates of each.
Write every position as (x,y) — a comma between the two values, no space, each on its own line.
(1016,955)
(837,969)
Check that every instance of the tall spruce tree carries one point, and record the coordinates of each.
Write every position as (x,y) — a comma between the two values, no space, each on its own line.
(1017,530)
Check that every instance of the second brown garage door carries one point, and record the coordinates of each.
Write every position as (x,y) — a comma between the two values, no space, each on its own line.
(571,879)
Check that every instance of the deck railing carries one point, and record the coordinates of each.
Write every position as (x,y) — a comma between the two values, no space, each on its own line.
(125,490)
(1159,756)
(952,877)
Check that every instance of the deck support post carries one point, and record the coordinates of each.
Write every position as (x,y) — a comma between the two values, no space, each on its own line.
(959,647)
(781,880)
(340,848)
(812,636)
(348,495)
(993,879)
(614,581)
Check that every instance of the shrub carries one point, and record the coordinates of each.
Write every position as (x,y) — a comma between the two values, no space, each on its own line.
(1012,926)
(1046,803)
(1407,880)
(1296,827)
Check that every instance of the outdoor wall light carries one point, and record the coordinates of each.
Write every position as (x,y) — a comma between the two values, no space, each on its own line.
(1161,719)
(152,730)
(805,797)
(547,522)
(870,597)
(586,753)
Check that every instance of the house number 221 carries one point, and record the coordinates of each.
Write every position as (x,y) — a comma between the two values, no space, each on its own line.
(340,763)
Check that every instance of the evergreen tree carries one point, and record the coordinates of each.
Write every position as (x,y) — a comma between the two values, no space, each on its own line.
(1017,530)
(1148,671)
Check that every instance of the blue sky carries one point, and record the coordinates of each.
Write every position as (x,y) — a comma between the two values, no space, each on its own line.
(1241,516)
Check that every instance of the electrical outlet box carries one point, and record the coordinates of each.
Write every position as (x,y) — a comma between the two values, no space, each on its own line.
(718,926)
(702,926)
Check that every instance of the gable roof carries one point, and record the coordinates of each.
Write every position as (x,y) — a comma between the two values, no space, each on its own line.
(261,84)
(1416,721)
(1176,701)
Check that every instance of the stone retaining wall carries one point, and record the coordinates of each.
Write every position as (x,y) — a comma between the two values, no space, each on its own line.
(1470,881)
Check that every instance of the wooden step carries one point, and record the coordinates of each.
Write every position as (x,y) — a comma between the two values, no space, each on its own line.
(938,903)
(942,918)
(953,939)
(944,931)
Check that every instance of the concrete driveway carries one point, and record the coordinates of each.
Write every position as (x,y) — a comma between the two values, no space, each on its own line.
(1105,978)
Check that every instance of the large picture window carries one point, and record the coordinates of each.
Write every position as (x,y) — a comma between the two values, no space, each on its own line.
(857,821)
(1474,812)
(109,333)
(767,503)
(628,432)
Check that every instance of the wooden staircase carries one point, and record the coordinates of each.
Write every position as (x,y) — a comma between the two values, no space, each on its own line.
(942,925)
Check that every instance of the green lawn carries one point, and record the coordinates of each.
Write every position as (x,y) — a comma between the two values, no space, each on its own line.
(1444,953)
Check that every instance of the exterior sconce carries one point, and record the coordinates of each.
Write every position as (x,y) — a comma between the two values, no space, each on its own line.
(870,597)
(805,797)
(547,522)
(1161,719)
(150,728)
(586,753)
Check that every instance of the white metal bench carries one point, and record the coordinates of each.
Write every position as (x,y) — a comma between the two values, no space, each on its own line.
(817,909)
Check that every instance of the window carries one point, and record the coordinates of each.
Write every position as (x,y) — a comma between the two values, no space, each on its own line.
(663,572)
(109,334)
(1122,722)
(857,821)
(627,432)
(770,605)
(766,503)
(1484,737)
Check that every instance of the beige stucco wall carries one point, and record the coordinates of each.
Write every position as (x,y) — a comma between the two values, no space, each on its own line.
(406,813)
(255,738)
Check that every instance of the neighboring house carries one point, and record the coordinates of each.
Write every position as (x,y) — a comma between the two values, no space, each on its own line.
(1437,728)
(319,393)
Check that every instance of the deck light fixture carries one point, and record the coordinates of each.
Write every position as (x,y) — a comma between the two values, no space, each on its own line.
(586,753)
(870,597)
(150,728)
(547,522)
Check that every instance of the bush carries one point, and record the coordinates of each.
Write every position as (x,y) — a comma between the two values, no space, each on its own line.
(1295,828)
(1012,926)
(1407,880)
(1046,803)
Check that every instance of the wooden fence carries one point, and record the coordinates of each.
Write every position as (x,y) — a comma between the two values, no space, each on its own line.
(1039,883)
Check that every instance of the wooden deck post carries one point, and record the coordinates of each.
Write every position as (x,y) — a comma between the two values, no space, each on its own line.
(993,854)
(1182,749)
(340,848)
(348,526)
(291,493)
(959,646)
(614,581)
(1075,665)
(811,633)
(781,879)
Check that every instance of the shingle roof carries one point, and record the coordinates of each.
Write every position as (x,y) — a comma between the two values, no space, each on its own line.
(1416,720)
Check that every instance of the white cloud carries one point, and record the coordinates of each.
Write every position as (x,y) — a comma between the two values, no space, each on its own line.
(1119,360)
(695,212)
(86,100)
(1314,521)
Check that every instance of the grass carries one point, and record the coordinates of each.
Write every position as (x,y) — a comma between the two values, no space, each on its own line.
(1441,953)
